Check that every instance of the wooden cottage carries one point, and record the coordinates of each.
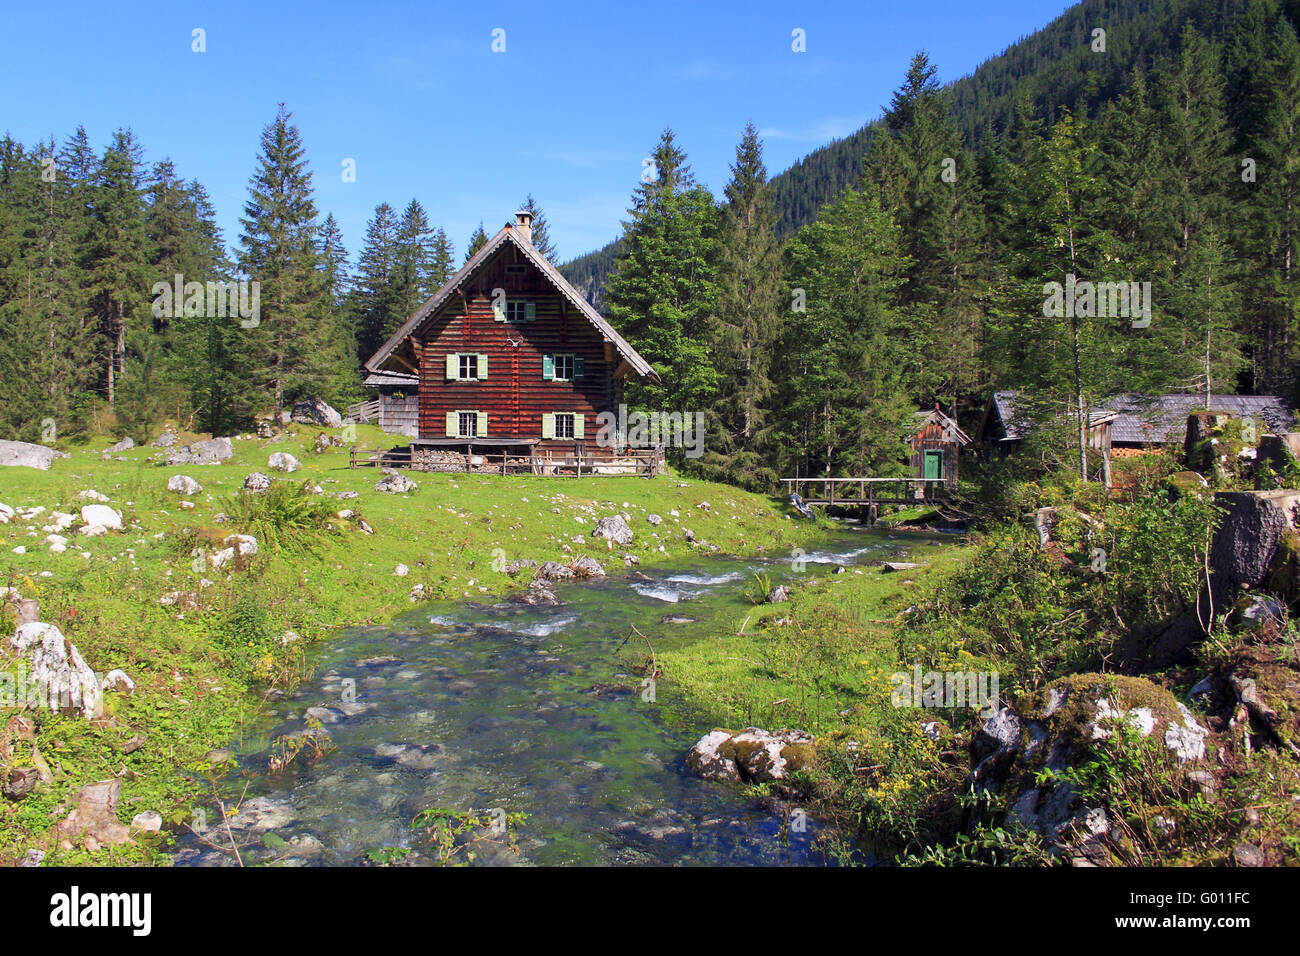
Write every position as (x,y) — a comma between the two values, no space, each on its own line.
(512,364)
(936,447)
(1007,422)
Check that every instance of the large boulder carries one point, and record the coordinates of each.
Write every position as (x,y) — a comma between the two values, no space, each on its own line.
(1022,752)
(395,484)
(208,452)
(586,567)
(21,454)
(58,668)
(94,819)
(282,461)
(183,484)
(614,529)
(1255,542)
(315,411)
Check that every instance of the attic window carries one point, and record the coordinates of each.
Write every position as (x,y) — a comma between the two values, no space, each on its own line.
(516,269)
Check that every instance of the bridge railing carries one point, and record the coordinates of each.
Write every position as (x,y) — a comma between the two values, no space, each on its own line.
(864,491)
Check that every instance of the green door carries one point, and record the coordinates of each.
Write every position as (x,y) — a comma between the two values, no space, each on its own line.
(933,465)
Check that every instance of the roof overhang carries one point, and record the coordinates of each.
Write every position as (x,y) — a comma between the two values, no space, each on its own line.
(390,357)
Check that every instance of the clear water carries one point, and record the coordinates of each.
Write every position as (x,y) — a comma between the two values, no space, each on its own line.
(529,709)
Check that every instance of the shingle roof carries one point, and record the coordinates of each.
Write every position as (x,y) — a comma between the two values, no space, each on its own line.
(1138,419)
(1154,419)
(375,379)
(509,233)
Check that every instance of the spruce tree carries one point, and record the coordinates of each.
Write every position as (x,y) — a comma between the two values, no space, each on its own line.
(476,242)
(661,295)
(750,299)
(278,248)
(541,230)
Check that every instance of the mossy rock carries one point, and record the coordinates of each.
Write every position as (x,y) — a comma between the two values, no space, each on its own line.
(1068,709)
(1184,483)
(1284,571)
(799,757)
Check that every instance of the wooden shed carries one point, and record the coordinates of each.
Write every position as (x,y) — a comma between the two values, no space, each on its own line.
(398,409)
(936,447)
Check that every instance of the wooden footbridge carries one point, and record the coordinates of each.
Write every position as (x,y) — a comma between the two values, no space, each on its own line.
(867,492)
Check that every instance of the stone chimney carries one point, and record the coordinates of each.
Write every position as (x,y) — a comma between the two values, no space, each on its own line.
(524,224)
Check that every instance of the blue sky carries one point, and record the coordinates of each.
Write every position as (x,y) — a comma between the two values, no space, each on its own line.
(415,95)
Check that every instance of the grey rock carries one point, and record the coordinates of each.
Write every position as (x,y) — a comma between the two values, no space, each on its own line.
(395,484)
(614,529)
(208,452)
(315,411)
(21,454)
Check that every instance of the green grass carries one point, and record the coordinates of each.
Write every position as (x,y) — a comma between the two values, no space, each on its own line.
(200,671)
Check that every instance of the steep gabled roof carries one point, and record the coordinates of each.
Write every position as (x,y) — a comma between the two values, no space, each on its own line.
(951,430)
(509,234)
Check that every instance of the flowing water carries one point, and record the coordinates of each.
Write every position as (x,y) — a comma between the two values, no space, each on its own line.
(529,709)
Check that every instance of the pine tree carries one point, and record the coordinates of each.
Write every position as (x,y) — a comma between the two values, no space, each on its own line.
(117,258)
(476,242)
(371,297)
(843,405)
(541,230)
(1272,226)
(443,260)
(750,298)
(334,260)
(927,182)
(413,267)
(282,352)
(662,292)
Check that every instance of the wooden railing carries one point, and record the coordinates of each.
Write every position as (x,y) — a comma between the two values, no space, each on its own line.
(362,412)
(840,492)
(633,462)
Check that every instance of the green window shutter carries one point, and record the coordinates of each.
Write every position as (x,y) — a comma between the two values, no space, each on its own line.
(577,424)
(452,424)
(482,423)
(453,367)
(530,312)
(498,310)
(482,365)
(578,363)
(548,424)
(548,368)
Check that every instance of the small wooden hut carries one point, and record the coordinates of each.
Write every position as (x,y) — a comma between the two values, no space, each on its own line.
(936,447)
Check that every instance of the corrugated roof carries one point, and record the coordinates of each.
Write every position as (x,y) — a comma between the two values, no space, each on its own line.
(509,234)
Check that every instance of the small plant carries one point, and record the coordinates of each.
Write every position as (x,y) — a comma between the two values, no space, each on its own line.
(283,517)
(314,742)
(456,835)
(758,589)
(388,855)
